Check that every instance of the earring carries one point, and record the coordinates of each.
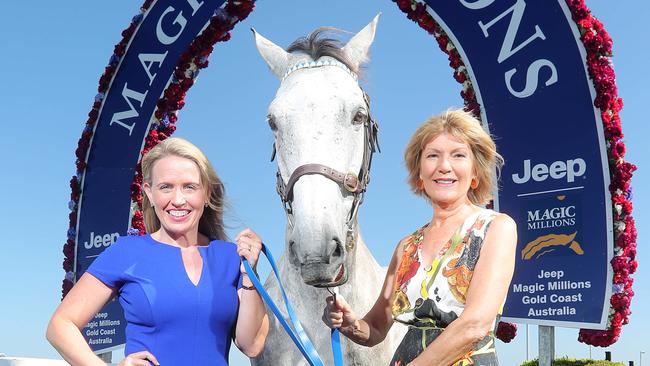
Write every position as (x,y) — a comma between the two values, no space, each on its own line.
(205,204)
(152,205)
(474,183)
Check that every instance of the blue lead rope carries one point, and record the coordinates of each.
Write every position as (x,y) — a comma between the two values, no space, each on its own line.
(297,334)
(336,348)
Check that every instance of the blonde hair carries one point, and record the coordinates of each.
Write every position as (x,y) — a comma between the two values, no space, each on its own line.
(211,221)
(465,127)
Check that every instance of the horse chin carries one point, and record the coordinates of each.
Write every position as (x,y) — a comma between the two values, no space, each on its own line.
(320,274)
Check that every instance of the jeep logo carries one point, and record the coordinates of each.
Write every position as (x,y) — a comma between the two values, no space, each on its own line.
(557,170)
(99,240)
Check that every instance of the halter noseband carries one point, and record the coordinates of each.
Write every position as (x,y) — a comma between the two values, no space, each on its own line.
(351,182)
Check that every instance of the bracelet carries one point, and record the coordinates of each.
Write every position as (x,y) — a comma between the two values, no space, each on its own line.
(250,288)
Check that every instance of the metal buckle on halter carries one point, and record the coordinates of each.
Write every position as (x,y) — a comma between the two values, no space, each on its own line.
(350,239)
(348,187)
(280,186)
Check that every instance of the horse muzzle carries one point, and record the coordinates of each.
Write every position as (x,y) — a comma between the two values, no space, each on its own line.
(324,274)
(320,255)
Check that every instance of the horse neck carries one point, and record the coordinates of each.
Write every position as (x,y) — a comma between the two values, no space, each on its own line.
(362,258)
(363,263)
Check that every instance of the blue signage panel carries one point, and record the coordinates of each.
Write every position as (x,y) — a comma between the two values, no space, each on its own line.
(165,32)
(527,65)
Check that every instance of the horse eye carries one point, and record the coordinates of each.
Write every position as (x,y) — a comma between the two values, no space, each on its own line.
(360,117)
(271,121)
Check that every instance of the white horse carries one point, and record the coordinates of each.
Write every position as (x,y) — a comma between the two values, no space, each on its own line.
(324,138)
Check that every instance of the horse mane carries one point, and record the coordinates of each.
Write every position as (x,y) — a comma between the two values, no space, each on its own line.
(316,45)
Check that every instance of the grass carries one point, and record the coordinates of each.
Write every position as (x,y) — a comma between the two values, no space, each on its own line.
(574,362)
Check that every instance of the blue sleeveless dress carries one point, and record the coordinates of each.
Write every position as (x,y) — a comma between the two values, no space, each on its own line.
(166,314)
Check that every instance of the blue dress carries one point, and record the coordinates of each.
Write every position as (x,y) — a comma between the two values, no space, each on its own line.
(166,314)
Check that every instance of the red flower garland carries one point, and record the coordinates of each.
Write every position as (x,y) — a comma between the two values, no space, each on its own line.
(190,62)
(595,39)
(598,45)
(506,332)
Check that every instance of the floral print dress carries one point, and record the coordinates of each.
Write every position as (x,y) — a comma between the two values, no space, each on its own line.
(427,298)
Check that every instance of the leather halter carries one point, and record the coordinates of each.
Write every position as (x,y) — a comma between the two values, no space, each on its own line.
(354,183)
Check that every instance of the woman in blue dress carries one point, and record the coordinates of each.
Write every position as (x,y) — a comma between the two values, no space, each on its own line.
(182,286)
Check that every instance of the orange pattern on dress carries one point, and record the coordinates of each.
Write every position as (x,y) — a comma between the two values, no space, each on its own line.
(408,267)
(465,360)
(460,276)
(409,264)
(458,279)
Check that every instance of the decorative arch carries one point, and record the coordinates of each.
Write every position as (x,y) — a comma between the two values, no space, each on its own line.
(500,54)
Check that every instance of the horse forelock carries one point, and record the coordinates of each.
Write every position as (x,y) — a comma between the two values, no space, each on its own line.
(316,45)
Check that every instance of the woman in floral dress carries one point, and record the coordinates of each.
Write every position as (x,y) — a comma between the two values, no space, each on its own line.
(448,280)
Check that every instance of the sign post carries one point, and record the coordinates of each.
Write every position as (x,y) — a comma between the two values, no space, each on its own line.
(106,357)
(546,345)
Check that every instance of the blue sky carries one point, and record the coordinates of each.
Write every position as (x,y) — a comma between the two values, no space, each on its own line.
(54,52)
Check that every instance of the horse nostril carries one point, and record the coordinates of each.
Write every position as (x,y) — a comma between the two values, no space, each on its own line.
(338,249)
(292,249)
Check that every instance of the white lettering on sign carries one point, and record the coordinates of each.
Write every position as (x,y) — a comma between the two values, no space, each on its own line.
(92,332)
(480,4)
(550,274)
(148,59)
(532,78)
(568,285)
(517,15)
(128,94)
(180,20)
(109,323)
(565,310)
(566,298)
(100,341)
(532,288)
(508,47)
(106,332)
(570,169)
(99,241)
(551,217)
(552,213)
(163,37)
(195,5)
(536,299)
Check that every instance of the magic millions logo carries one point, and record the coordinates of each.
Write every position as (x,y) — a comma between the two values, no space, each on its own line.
(554,229)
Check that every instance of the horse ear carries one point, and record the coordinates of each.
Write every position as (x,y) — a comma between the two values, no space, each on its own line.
(357,47)
(277,58)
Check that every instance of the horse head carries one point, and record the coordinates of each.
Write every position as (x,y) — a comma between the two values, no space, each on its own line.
(324,139)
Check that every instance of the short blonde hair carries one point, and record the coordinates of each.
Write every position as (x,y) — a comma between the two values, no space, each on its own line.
(211,221)
(465,127)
